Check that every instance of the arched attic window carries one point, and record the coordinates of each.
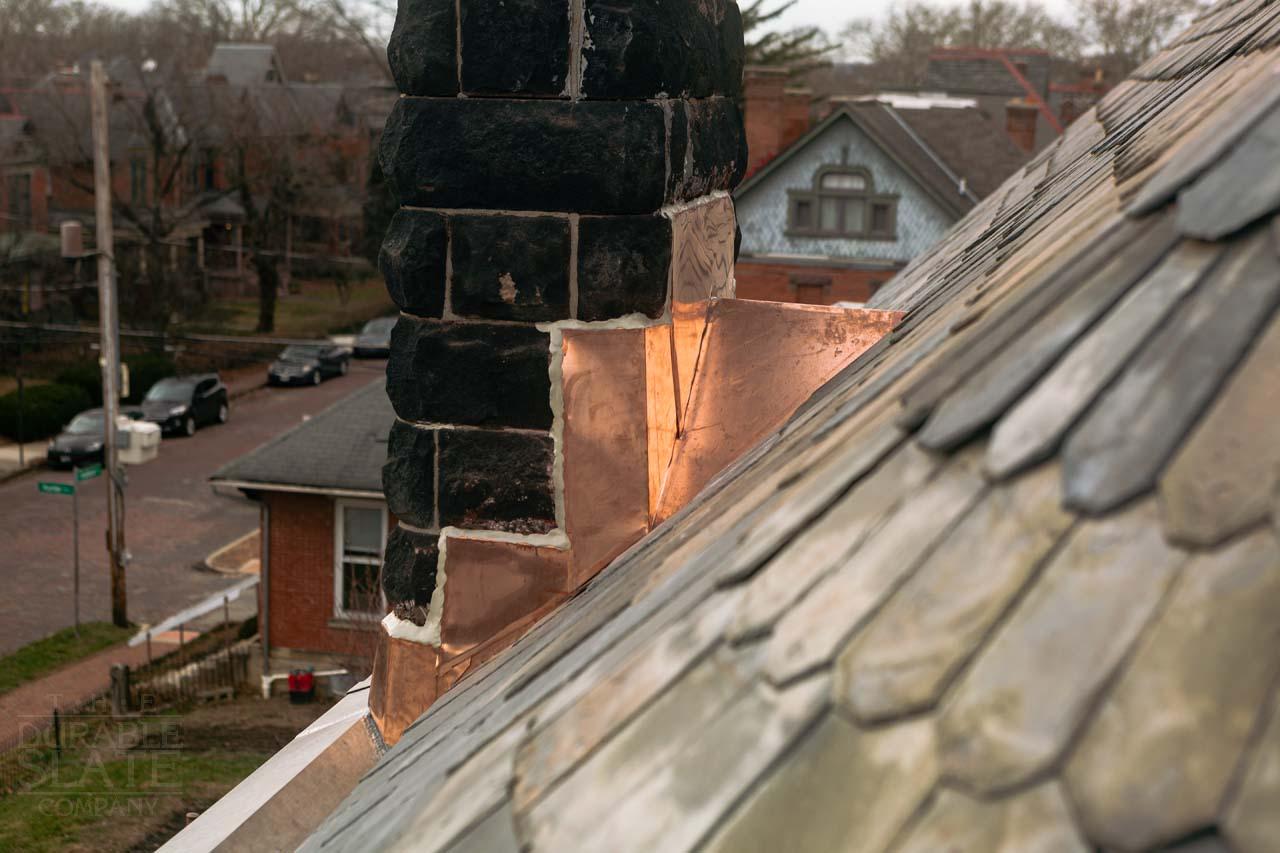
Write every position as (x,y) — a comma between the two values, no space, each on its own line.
(842,202)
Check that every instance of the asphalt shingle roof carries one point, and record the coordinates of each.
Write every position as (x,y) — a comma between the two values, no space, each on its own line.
(1011,581)
(342,447)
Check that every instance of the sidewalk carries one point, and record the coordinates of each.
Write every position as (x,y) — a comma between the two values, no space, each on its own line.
(32,704)
(33,452)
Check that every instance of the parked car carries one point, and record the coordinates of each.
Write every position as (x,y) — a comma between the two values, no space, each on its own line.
(309,364)
(80,442)
(180,404)
(374,340)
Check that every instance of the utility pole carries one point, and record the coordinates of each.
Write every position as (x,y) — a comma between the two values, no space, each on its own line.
(110,343)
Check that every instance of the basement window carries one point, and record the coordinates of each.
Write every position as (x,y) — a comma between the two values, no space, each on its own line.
(360,537)
(842,202)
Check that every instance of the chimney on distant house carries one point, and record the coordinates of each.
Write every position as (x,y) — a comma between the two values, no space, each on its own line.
(563,261)
(776,113)
(1021,118)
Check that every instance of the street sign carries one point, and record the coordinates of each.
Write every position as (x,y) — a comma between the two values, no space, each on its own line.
(88,472)
(56,488)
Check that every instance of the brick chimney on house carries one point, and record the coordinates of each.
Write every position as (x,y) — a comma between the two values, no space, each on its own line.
(776,113)
(569,367)
(1021,118)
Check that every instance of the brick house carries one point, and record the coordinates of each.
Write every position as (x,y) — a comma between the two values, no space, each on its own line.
(324,526)
(832,215)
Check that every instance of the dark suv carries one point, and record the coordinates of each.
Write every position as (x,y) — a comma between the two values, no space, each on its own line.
(180,404)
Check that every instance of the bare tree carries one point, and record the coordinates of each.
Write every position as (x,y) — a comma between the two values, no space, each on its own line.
(900,43)
(1126,32)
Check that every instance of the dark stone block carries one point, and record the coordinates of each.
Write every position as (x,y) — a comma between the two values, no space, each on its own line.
(515,46)
(409,567)
(470,373)
(409,474)
(422,50)
(496,480)
(412,261)
(717,155)
(588,156)
(624,265)
(510,267)
(644,49)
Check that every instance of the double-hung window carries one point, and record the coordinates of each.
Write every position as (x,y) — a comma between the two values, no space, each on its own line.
(360,537)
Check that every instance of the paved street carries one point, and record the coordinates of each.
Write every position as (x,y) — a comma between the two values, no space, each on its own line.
(174,520)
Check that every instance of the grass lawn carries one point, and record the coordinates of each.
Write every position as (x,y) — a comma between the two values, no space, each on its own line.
(44,656)
(313,312)
(129,784)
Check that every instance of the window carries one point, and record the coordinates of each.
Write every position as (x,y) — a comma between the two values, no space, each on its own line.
(202,176)
(360,535)
(138,180)
(842,203)
(19,194)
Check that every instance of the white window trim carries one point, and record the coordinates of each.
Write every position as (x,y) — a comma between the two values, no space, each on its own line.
(339,506)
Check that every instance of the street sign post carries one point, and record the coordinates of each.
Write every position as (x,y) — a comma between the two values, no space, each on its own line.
(86,473)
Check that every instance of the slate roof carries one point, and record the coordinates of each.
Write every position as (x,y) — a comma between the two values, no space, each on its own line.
(341,448)
(1011,581)
(245,64)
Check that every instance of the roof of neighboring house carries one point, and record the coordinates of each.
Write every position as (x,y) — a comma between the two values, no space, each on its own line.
(341,449)
(245,64)
(1003,71)
(941,146)
(1010,581)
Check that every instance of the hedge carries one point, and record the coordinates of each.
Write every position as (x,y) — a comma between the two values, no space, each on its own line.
(46,410)
(144,371)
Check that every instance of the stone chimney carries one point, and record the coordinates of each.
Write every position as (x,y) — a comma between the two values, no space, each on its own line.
(563,261)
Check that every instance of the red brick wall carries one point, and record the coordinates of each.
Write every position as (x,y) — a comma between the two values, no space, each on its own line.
(300,579)
(777,282)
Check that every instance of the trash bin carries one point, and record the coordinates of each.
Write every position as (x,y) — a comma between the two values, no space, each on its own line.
(139,441)
(302,686)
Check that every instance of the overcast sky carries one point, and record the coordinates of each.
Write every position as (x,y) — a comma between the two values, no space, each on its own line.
(831,15)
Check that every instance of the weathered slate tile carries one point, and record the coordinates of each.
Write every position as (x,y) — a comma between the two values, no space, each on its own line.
(682,764)
(826,543)
(1018,706)
(473,790)
(1154,764)
(931,627)
(1031,430)
(494,834)
(1224,478)
(1035,821)
(1117,452)
(771,526)
(1003,323)
(841,789)
(815,628)
(566,738)
(1252,820)
(1000,381)
(1240,188)
(1210,142)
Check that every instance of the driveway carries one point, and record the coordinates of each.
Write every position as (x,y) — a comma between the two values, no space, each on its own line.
(173,520)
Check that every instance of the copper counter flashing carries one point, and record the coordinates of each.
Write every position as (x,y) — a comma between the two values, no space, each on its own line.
(650,415)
